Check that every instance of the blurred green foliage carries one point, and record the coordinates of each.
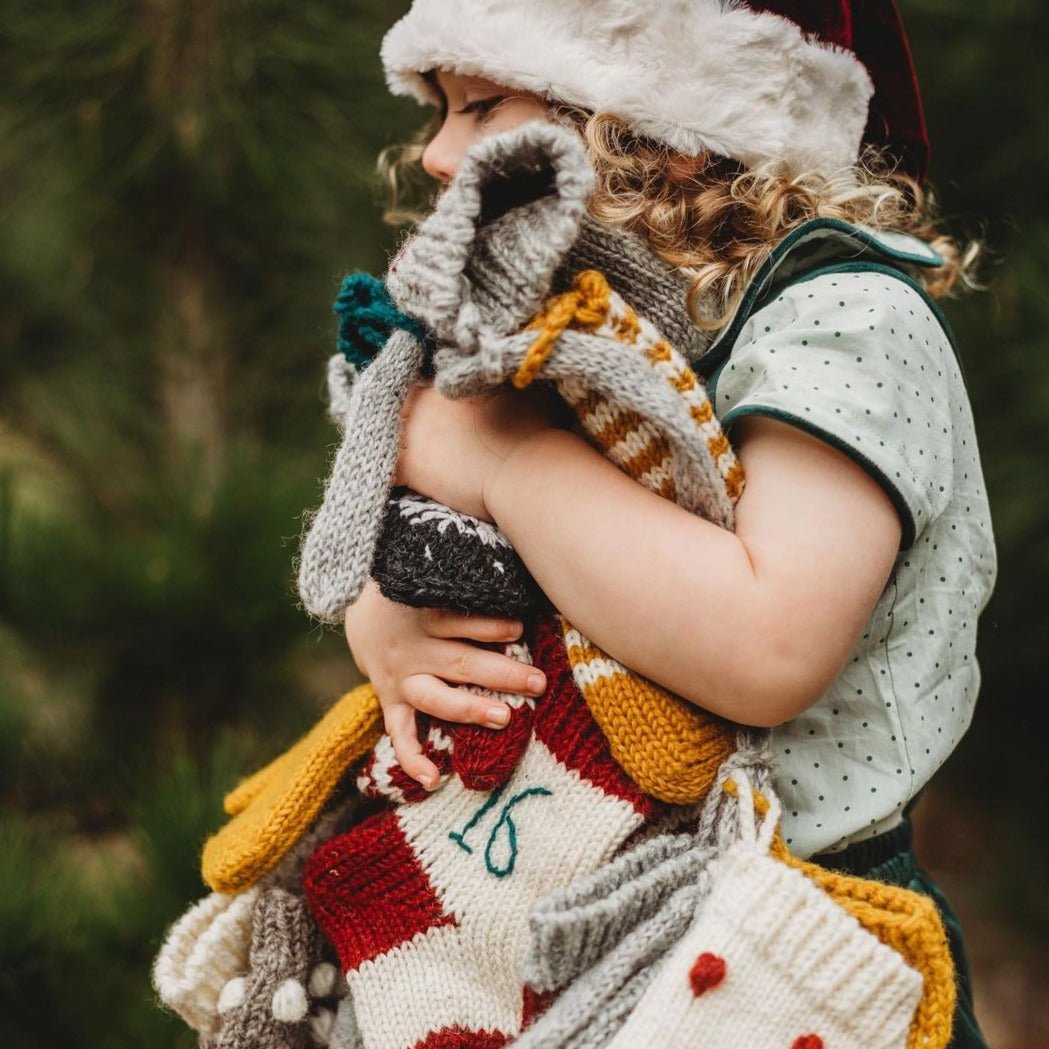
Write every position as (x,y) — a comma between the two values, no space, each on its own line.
(182,185)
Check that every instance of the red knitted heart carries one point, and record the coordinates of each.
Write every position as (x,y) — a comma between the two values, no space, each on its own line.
(461,1038)
(808,1041)
(708,972)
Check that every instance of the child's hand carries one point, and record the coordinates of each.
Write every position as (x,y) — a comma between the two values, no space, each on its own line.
(453,448)
(413,656)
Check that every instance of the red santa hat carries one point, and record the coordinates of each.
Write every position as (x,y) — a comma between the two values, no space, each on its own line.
(804,83)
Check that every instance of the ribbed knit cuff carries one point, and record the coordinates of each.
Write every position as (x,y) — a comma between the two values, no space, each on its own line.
(772,960)
(819,951)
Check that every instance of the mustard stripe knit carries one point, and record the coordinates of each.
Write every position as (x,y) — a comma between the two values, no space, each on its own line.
(669,747)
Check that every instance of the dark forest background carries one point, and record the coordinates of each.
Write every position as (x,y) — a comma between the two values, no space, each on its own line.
(183,183)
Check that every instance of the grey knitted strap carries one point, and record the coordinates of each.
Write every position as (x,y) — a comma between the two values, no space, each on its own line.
(338,550)
(595,1006)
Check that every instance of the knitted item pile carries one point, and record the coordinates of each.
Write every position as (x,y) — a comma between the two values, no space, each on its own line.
(427,902)
(461,929)
(636,951)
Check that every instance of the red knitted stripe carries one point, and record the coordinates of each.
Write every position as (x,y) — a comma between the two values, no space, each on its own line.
(565,726)
(412,790)
(438,755)
(461,1038)
(534,1004)
(368,892)
(366,773)
(485,758)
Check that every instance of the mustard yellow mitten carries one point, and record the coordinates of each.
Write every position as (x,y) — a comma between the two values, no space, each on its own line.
(273,808)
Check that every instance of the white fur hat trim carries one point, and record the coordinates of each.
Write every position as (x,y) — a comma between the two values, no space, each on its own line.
(698,75)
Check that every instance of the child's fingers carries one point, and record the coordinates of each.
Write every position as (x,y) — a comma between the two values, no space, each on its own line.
(432,696)
(401,728)
(488,629)
(468,664)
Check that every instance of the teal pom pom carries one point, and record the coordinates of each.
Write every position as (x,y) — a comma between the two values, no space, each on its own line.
(368,317)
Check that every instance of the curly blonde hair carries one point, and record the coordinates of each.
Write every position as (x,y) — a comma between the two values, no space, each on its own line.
(712,218)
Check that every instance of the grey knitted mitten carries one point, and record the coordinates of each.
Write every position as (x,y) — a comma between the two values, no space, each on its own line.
(340,543)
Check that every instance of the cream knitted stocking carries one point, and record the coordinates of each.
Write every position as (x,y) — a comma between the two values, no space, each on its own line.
(427,902)
(772,961)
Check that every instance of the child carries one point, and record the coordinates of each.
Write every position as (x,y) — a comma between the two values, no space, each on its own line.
(772,158)
(848,594)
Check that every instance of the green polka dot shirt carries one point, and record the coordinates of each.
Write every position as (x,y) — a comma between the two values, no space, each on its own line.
(861,360)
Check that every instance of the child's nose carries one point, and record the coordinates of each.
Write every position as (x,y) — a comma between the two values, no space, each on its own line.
(441,157)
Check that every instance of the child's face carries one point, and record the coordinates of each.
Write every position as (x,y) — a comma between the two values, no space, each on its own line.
(474,108)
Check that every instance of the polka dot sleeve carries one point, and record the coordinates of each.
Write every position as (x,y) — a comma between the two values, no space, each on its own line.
(860,360)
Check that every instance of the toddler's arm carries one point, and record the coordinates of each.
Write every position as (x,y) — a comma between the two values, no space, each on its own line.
(753,625)
(412,656)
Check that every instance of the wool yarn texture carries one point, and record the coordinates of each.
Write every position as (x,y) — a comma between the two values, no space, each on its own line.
(427,902)
(268,1007)
(275,807)
(771,960)
(235,962)
(205,949)
(597,945)
(432,556)
(611,945)
(512,267)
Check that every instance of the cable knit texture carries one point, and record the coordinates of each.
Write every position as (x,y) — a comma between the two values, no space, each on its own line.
(769,960)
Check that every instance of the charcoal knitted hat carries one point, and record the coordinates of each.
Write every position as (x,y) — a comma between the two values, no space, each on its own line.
(802,82)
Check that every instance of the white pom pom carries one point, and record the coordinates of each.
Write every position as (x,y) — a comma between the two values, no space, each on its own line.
(321,1026)
(322,980)
(233,994)
(290,1004)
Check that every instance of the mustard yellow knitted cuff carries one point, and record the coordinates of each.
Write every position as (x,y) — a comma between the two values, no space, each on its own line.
(273,808)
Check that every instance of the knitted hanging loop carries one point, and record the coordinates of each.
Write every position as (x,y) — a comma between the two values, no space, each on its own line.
(586,309)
